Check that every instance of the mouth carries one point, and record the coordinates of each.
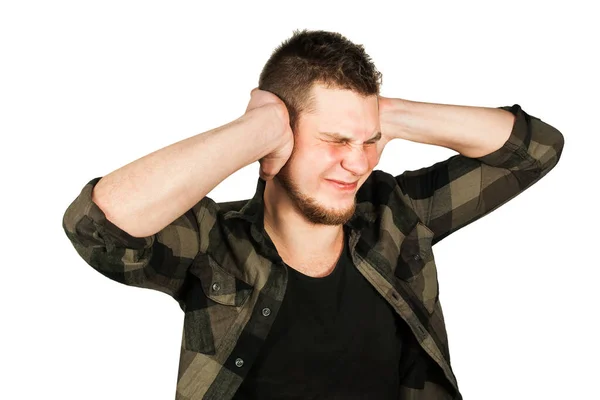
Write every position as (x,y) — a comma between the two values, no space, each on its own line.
(343,185)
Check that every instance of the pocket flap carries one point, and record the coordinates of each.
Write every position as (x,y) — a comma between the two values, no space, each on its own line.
(219,285)
(415,251)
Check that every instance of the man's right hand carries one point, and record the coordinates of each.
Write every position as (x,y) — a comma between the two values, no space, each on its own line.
(274,161)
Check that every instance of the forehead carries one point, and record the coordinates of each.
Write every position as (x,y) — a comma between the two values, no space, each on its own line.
(328,100)
(344,109)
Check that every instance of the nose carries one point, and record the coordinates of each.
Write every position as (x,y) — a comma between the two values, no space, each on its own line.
(357,159)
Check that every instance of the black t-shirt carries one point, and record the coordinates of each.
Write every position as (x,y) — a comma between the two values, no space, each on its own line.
(334,337)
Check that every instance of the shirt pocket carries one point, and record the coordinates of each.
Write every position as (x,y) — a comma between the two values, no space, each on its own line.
(416,266)
(213,302)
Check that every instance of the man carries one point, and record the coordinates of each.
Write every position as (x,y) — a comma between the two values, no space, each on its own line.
(324,284)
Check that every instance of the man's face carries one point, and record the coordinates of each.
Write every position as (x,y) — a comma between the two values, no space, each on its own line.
(337,142)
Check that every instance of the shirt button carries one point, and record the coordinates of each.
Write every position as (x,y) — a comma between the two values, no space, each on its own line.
(417,257)
(239,362)
(266,311)
(216,286)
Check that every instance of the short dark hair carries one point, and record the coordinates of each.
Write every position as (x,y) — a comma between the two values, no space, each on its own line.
(310,57)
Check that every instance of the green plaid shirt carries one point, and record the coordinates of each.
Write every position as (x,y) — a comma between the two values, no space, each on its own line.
(219,264)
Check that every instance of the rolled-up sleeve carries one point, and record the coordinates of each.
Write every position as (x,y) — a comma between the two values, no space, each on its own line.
(453,193)
(159,261)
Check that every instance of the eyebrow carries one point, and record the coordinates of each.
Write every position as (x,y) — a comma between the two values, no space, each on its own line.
(338,136)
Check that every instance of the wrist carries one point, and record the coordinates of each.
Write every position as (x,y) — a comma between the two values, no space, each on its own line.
(393,115)
(266,128)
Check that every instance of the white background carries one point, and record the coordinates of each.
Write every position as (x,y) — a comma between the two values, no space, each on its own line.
(87,87)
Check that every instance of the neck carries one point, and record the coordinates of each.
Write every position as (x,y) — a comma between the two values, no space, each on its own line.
(296,237)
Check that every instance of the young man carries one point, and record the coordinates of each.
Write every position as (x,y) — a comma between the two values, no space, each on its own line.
(324,284)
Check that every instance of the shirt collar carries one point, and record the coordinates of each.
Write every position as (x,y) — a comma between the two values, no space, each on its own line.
(253,212)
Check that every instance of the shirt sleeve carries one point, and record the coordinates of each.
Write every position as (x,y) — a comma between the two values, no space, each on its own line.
(453,193)
(159,261)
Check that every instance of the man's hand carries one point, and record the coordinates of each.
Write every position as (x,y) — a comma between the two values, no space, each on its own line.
(390,118)
(265,101)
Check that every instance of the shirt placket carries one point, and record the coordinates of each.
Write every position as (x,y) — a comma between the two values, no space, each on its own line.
(401,306)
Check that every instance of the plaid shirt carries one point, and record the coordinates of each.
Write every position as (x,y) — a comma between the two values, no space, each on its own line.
(219,264)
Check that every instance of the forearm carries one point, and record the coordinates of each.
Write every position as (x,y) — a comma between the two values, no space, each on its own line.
(146,195)
(471,131)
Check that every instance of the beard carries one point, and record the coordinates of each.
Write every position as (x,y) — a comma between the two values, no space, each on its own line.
(308,206)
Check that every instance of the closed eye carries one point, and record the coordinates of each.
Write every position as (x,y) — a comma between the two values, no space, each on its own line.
(345,142)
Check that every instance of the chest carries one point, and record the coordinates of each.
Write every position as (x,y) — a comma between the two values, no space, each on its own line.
(313,267)
(311,263)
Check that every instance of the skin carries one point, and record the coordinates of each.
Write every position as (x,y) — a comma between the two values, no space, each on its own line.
(304,213)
